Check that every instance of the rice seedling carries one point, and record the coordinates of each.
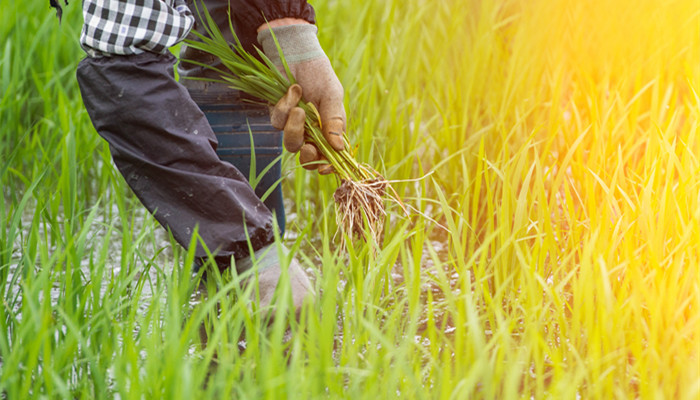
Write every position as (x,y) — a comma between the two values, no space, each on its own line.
(562,138)
(360,195)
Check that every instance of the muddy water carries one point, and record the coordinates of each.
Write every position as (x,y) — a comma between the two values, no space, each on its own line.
(95,240)
(159,244)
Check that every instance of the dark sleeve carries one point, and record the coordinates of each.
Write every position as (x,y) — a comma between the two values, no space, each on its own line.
(246,16)
(250,14)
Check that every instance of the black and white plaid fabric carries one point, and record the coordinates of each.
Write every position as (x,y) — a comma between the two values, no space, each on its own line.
(122,27)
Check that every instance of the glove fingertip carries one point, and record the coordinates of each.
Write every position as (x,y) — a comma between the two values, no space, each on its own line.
(294,130)
(333,132)
(277,120)
(295,92)
(308,154)
(280,112)
(335,139)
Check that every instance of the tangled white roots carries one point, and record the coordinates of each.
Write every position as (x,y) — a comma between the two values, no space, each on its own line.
(360,202)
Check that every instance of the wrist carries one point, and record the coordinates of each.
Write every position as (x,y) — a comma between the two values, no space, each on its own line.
(282,22)
(298,43)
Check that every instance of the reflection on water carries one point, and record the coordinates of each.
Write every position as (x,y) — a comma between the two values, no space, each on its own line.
(150,255)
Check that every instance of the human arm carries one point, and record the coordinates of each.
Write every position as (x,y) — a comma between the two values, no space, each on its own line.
(293,24)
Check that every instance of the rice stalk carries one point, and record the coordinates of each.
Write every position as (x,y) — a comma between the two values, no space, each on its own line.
(360,195)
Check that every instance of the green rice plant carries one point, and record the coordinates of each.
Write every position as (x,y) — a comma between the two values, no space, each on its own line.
(360,196)
(561,142)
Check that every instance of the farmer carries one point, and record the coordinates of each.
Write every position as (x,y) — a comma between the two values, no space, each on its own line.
(162,143)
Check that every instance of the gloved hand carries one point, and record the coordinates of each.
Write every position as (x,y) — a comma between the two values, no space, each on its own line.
(317,83)
(287,116)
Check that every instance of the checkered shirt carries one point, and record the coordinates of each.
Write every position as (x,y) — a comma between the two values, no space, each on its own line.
(123,27)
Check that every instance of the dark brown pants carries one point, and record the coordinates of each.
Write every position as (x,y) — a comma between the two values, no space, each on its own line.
(165,149)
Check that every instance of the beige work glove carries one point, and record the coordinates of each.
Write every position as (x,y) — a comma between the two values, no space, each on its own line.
(316,83)
(268,271)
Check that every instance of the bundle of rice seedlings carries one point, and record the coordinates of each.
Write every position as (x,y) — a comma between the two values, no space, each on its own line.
(360,195)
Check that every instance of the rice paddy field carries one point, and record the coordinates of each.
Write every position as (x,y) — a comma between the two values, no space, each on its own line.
(550,152)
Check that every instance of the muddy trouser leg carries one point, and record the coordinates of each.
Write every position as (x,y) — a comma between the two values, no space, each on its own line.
(165,149)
